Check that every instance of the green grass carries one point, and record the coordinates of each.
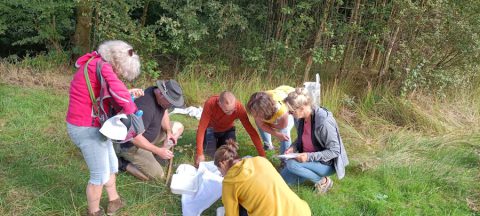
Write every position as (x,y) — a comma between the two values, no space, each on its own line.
(399,164)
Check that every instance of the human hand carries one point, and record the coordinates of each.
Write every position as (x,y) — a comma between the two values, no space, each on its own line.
(198,159)
(136,92)
(164,153)
(289,150)
(281,136)
(302,157)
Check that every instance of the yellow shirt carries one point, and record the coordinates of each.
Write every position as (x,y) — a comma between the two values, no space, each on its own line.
(258,187)
(278,95)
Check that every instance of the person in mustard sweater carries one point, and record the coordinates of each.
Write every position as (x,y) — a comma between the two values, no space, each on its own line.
(271,116)
(245,191)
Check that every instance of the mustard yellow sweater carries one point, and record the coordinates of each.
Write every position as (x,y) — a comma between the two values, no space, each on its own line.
(258,187)
(278,95)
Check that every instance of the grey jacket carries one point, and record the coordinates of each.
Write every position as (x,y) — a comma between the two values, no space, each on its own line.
(326,139)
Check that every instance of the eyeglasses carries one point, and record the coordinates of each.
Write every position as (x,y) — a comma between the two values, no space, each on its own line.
(292,111)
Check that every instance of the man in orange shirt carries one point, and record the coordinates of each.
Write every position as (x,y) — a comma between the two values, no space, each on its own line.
(216,125)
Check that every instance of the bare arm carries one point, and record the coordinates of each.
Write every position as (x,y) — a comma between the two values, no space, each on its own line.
(282,122)
(242,114)
(141,142)
(166,127)
(271,130)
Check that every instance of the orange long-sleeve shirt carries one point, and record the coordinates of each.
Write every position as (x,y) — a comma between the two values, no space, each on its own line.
(213,116)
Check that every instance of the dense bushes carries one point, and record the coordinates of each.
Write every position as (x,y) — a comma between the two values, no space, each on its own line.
(411,45)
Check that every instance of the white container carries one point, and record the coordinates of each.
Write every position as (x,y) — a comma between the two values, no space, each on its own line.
(186,169)
(184,184)
(185,181)
(314,89)
(210,166)
(221,211)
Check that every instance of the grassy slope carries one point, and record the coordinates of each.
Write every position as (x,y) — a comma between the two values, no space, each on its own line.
(393,171)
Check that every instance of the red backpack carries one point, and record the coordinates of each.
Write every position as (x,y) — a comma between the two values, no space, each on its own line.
(105,107)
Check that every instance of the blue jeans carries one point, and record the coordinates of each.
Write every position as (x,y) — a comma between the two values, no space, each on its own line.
(97,152)
(213,140)
(267,138)
(296,172)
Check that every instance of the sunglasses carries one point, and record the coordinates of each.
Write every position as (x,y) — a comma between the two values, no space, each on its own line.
(131,52)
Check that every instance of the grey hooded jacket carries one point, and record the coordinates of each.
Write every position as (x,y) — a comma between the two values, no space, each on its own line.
(326,139)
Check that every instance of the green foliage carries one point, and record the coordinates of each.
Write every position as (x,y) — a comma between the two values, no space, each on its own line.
(435,49)
(44,61)
(150,69)
(36,22)
(254,58)
(441,54)
(334,54)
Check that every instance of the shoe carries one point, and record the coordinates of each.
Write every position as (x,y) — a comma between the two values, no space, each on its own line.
(114,206)
(97,213)
(323,188)
(268,147)
(133,170)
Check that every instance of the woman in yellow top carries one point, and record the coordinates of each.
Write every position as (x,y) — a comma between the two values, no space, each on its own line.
(271,116)
(244,186)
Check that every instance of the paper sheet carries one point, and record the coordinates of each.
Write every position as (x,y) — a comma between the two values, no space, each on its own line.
(288,156)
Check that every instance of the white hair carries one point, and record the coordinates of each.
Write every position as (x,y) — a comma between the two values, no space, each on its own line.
(120,55)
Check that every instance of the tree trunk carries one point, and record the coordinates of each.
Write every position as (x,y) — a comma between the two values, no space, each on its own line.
(348,43)
(279,20)
(386,60)
(355,34)
(143,19)
(83,27)
(364,54)
(318,39)
(54,39)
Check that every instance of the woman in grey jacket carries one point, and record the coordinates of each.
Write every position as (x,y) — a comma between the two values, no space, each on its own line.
(319,145)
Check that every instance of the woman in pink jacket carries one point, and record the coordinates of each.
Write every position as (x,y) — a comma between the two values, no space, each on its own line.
(115,58)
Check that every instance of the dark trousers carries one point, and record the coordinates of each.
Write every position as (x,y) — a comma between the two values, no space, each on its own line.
(242,211)
(213,140)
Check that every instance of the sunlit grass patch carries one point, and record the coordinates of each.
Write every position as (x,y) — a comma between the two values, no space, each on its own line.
(396,167)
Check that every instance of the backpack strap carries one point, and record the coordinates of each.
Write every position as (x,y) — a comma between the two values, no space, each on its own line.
(90,90)
(104,94)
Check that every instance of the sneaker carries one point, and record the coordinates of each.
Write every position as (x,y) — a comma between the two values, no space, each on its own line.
(268,147)
(114,206)
(323,188)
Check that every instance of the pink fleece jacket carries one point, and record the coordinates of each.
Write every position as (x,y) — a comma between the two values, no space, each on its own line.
(80,106)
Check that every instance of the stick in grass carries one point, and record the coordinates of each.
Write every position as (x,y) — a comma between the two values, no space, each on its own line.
(170,165)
